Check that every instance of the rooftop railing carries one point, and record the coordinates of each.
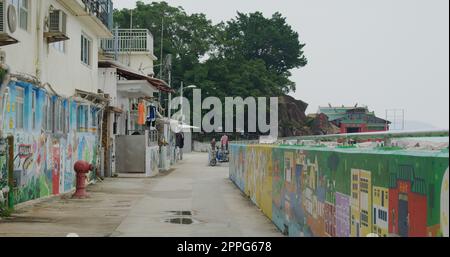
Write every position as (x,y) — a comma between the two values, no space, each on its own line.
(129,41)
(102,9)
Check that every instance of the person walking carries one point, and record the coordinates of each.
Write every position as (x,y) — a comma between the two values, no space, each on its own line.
(212,152)
(224,142)
(180,144)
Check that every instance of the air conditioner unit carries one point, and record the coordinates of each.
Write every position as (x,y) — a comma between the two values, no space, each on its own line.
(57,26)
(58,21)
(8,23)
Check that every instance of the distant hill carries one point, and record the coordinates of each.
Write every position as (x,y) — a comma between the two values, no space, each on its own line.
(418,125)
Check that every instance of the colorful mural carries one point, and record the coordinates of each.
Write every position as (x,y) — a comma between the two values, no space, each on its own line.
(3,169)
(50,135)
(326,192)
(152,159)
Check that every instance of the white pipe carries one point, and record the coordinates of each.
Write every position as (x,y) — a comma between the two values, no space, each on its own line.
(39,39)
(3,87)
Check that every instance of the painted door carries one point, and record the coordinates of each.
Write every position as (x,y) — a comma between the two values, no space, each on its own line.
(56,169)
(403,215)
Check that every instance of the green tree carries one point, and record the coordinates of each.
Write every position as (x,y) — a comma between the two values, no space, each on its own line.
(250,55)
(186,37)
(254,37)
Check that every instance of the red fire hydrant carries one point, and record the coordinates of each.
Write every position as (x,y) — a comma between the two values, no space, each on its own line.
(81,168)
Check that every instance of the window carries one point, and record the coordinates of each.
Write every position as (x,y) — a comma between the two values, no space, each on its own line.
(55,115)
(64,124)
(86,49)
(19,107)
(95,118)
(58,116)
(33,110)
(79,114)
(375,216)
(60,46)
(364,218)
(47,120)
(23,14)
(86,118)
(44,115)
(82,118)
(22,8)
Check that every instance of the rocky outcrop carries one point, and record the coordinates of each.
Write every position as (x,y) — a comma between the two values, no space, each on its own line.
(292,119)
(294,122)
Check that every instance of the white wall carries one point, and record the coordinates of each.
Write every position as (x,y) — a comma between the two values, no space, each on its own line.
(107,82)
(64,71)
(138,62)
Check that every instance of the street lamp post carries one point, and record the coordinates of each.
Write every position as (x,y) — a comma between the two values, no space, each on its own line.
(182,98)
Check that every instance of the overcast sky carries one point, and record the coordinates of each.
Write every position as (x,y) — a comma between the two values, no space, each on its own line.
(382,53)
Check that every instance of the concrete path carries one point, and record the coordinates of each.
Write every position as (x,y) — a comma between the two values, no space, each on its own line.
(201,197)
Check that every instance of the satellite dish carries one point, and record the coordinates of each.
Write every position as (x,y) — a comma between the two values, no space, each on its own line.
(12,18)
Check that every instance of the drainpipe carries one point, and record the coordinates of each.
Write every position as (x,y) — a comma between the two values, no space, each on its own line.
(3,88)
(39,32)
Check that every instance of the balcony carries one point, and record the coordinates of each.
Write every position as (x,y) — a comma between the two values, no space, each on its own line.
(129,41)
(98,14)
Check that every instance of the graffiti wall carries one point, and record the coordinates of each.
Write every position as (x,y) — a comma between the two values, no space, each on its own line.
(325,192)
(50,135)
(3,170)
(152,161)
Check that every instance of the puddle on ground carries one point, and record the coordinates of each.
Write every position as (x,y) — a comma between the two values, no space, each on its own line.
(180,217)
(182,221)
(180,213)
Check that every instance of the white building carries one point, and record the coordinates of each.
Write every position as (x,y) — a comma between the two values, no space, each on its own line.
(49,90)
(126,76)
(77,27)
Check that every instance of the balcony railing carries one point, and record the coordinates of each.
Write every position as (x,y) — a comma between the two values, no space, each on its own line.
(129,41)
(102,9)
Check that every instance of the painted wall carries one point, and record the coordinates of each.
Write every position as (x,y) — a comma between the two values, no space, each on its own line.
(3,170)
(200,147)
(140,62)
(43,159)
(42,57)
(152,161)
(309,191)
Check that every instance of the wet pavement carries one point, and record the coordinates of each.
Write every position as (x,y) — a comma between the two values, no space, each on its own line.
(189,201)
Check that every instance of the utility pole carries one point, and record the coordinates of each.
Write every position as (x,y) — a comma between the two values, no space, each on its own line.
(161,58)
(116,43)
(131,20)
(162,48)
(182,114)
(170,94)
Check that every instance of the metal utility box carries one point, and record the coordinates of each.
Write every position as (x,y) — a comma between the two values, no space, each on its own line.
(130,153)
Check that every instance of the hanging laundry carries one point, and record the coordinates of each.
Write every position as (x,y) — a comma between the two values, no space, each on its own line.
(141,113)
(152,115)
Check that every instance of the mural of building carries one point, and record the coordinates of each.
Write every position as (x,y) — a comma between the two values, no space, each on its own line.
(342,215)
(444,205)
(380,211)
(319,191)
(361,213)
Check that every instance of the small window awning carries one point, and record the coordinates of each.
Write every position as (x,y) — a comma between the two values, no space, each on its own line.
(136,88)
(129,74)
(115,109)
(92,97)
